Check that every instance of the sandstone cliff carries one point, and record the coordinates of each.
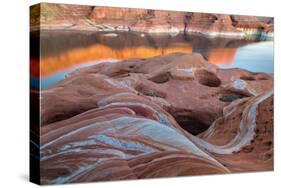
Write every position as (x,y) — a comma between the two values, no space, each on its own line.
(75,17)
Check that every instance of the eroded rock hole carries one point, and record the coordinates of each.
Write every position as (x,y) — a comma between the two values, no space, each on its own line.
(161,78)
(248,78)
(149,92)
(189,121)
(207,78)
(228,98)
(191,125)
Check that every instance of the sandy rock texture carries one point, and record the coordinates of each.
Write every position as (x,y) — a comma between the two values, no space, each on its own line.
(170,115)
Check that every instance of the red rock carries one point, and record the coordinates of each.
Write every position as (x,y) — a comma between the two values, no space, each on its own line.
(207,78)
(132,120)
(75,95)
(242,139)
(119,140)
(172,84)
(248,22)
(204,23)
(75,17)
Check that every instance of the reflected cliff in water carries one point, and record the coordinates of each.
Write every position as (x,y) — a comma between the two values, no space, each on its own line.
(63,52)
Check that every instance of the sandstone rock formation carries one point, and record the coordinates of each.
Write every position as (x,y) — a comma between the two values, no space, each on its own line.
(74,17)
(245,131)
(139,19)
(171,115)
(205,23)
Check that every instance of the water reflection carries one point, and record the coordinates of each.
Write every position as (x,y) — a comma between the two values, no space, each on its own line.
(221,56)
(100,52)
(63,52)
(258,57)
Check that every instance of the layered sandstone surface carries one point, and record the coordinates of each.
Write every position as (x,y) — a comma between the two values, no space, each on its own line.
(74,17)
(170,115)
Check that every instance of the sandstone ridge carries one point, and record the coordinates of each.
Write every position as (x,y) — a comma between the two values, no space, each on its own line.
(170,115)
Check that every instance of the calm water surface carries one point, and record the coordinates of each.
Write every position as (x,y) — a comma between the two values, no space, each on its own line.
(63,52)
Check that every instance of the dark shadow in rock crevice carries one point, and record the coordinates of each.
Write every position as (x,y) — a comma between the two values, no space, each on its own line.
(161,78)
(189,121)
(151,93)
(207,78)
(191,125)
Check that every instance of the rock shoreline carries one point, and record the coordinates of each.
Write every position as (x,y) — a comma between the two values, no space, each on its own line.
(251,34)
(90,18)
(154,116)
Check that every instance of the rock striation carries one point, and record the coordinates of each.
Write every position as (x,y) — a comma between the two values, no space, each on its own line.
(170,115)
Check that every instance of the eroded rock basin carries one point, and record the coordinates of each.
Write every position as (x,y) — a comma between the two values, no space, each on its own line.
(170,115)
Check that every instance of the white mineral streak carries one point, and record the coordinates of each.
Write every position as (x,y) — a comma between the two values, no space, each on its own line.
(186,70)
(166,138)
(242,87)
(246,129)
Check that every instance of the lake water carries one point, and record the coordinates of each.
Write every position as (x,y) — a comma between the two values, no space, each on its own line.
(63,52)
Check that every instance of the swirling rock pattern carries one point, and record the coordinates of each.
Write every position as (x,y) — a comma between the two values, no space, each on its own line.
(171,115)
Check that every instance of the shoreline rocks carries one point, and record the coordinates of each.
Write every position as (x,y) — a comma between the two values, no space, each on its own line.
(156,116)
(91,18)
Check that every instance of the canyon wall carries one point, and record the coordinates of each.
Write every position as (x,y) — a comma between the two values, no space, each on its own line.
(75,17)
